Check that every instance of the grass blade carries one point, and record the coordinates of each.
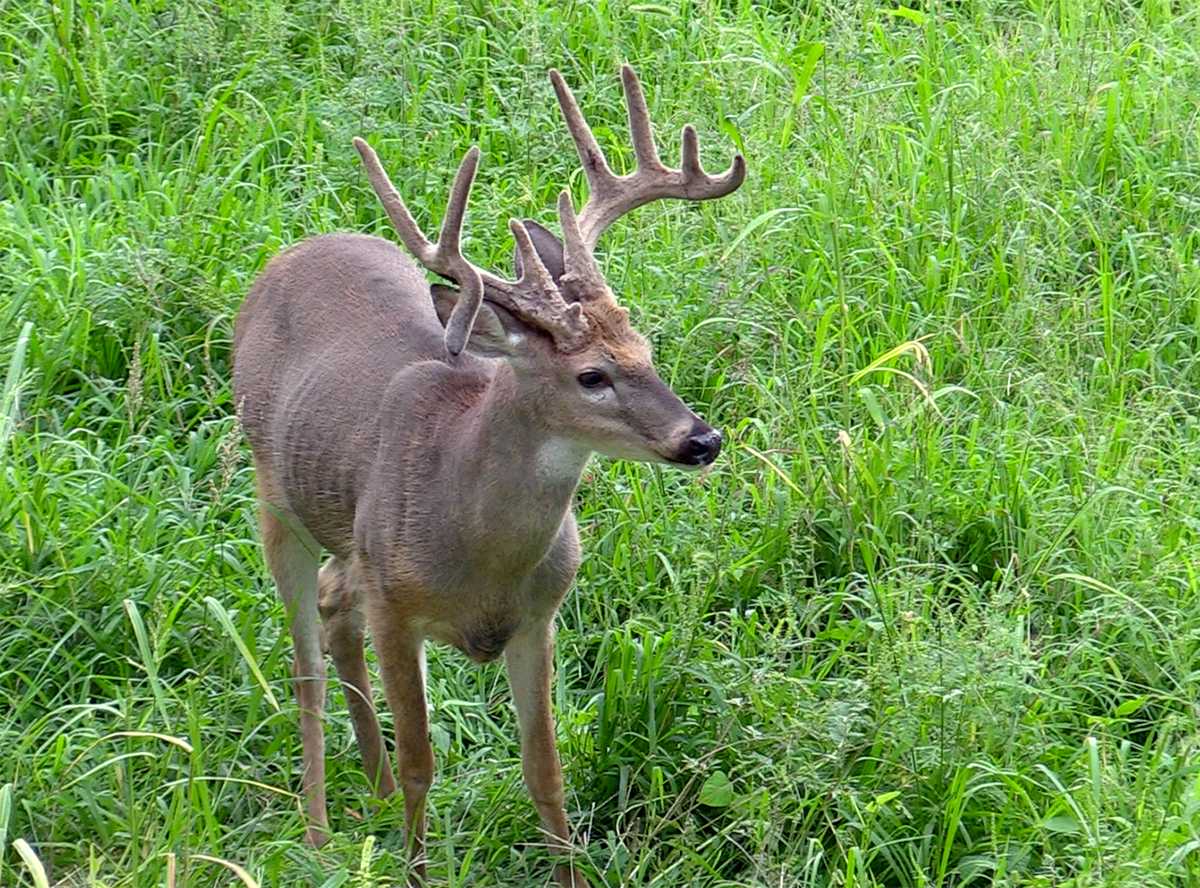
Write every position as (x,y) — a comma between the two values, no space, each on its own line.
(10,396)
(149,663)
(222,615)
(32,862)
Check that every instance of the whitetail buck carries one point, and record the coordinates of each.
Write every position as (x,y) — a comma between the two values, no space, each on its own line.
(431,438)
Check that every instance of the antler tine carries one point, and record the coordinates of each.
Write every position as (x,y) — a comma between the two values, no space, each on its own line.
(644,148)
(611,196)
(595,166)
(445,257)
(536,298)
(534,274)
(690,165)
(583,275)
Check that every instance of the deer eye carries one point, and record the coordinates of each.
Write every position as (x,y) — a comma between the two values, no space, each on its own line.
(592,379)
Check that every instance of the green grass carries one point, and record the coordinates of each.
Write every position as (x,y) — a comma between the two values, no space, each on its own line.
(932,620)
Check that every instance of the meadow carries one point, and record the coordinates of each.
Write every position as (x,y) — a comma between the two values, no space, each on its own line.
(932,619)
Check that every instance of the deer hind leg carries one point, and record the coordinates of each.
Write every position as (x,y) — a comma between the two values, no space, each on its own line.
(529,658)
(339,584)
(400,648)
(293,556)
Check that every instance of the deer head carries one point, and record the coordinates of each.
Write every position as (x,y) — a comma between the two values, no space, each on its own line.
(558,322)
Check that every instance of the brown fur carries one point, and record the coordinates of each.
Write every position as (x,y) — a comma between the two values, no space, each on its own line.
(612,333)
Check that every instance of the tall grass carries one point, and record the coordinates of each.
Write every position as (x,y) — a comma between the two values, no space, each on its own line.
(934,617)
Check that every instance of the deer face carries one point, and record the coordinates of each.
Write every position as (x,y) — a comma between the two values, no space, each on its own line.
(602,393)
(617,403)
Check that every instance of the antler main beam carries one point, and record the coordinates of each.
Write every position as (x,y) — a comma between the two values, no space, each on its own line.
(611,196)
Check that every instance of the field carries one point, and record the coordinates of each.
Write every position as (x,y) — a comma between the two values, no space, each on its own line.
(933,618)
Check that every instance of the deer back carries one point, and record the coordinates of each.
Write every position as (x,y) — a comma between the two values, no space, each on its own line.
(320,337)
(386,449)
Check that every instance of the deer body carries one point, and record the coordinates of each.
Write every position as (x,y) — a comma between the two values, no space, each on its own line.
(431,439)
(370,418)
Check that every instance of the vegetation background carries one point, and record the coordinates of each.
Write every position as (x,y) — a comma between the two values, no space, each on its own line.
(932,620)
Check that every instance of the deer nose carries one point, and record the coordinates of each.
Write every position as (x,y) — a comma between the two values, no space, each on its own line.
(701,447)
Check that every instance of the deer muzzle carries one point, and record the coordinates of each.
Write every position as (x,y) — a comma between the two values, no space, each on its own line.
(699,448)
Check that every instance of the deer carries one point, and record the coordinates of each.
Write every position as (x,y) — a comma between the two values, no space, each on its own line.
(430,438)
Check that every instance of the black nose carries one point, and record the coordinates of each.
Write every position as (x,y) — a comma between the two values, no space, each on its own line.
(701,448)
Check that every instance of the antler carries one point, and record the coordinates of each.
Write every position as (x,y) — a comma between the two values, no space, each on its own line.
(533,296)
(611,196)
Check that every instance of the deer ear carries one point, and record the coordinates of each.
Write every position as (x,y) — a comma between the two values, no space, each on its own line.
(548,247)
(496,333)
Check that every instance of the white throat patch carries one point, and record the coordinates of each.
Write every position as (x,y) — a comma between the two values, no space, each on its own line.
(560,460)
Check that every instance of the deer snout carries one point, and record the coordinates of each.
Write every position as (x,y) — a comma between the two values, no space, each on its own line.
(701,447)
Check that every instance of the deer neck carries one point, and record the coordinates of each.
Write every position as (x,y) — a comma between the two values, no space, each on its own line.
(526,473)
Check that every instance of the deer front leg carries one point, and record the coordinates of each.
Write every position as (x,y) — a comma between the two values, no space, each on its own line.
(529,658)
(339,585)
(293,557)
(400,647)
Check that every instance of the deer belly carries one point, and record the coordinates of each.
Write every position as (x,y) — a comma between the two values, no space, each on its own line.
(481,637)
